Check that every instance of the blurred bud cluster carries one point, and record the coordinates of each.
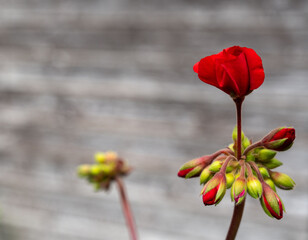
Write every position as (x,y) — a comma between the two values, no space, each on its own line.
(107,167)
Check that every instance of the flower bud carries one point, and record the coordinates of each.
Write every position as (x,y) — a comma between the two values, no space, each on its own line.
(214,191)
(84,170)
(282,180)
(254,187)
(205,175)
(271,202)
(100,157)
(231,166)
(273,163)
(280,139)
(230,179)
(270,183)
(238,190)
(264,155)
(215,166)
(194,167)
(246,142)
(264,172)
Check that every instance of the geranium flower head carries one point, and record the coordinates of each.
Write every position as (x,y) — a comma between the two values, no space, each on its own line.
(236,70)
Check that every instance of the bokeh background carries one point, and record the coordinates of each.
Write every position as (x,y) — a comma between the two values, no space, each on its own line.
(79,76)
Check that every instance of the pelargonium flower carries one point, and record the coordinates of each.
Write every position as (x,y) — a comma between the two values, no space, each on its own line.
(236,70)
(280,139)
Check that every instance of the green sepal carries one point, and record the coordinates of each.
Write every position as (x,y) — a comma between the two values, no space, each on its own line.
(221,191)
(282,180)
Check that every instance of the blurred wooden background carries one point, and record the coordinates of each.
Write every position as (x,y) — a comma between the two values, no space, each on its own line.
(81,76)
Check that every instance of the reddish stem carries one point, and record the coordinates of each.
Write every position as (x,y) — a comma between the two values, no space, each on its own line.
(126,210)
(238,209)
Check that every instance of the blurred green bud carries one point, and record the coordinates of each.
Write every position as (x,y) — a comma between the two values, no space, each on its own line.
(265,155)
(270,183)
(230,179)
(246,142)
(254,187)
(100,157)
(231,166)
(273,163)
(215,166)
(282,180)
(250,157)
(205,175)
(264,172)
(84,170)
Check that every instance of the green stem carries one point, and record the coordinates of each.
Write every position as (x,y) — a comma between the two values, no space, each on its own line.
(126,210)
(238,209)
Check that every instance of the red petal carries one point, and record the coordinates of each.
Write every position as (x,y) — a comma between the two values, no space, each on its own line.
(206,70)
(182,173)
(196,67)
(209,197)
(255,66)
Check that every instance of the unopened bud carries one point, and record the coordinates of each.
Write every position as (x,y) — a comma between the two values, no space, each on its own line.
(205,175)
(271,202)
(215,166)
(270,183)
(238,190)
(265,155)
(280,139)
(214,191)
(273,163)
(282,180)
(234,134)
(194,167)
(264,172)
(84,170)
(254,187)
(230,179)
(100,157)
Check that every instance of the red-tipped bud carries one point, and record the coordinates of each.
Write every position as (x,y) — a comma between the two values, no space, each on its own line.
(271,202)
(280,139)
(214,191)
(194,167)
(238,190)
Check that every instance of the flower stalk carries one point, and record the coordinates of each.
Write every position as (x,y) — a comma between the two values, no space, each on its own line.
(127,210)
(238,209)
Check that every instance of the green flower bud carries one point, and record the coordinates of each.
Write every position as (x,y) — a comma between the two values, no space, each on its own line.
(264,172)
(254,187)
(265,155)
(205,175)
(273,163)
(246,142)
(282,180)
(270,183)
(100,157)
(84,170)
(238,190)
(215,166)
(230,179)
(250,157)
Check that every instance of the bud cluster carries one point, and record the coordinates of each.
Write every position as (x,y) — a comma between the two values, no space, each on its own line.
(106,168)
(249,173)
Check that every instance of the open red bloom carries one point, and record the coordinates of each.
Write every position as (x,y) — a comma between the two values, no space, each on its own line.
(236,70)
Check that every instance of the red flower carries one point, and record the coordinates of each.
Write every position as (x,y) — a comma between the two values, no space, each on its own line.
(236,70)
(280,139)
